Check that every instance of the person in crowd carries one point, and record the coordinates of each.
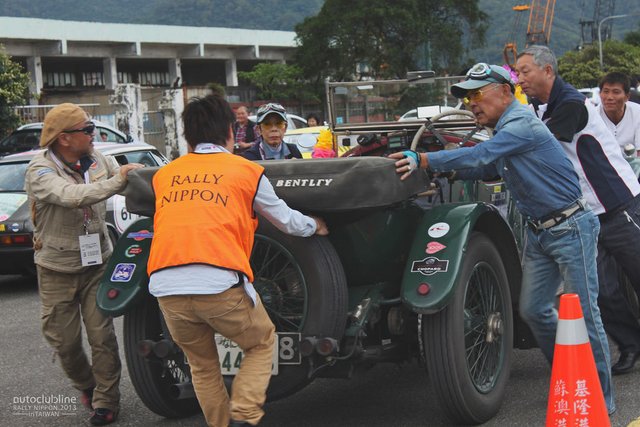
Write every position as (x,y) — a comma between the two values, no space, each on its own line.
(104,137)
(67,185)
(245,132)
(562,230)
(608,183)
(199,260)
(312,120)
(272,120)
(324,145)
(621,116)
(634,94)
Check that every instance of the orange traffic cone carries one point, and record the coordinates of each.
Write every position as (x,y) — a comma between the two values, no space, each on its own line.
(575,395)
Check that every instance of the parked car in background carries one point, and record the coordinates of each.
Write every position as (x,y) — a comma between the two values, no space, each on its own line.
(305,139)
(428,111)
(593,94)
(16,229)
(293,121)
(27,137)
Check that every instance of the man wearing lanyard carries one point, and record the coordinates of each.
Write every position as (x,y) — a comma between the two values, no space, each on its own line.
(272,119)
(67,185)
(562,231)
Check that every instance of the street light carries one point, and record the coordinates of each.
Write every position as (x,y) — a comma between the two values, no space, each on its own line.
(600,34)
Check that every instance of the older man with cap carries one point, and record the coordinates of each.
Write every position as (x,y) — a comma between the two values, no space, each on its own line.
(562,230)
(67,185)
(272,119)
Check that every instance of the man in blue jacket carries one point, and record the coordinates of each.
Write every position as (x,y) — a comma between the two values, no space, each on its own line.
(562,231)
(608,183)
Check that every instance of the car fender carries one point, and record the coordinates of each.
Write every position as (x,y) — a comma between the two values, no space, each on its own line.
(437,252)
(125,280)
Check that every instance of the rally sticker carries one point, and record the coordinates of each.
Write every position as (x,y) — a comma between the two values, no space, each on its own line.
(132,251)
(4,217)
(2,227)
(433,247)
(140,235)
(123,272)
(438,229)
(15,227)
(429,266)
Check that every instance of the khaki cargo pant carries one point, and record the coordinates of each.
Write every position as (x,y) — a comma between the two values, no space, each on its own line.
(193,320)
(65,298)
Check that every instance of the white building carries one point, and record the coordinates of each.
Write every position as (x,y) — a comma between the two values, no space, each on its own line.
(71,56)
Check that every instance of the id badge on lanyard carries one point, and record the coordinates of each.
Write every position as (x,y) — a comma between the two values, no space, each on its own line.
(90,250)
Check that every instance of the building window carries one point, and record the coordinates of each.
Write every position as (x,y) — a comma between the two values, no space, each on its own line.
(59,79)
(125,77)
(153,78)
(93,78)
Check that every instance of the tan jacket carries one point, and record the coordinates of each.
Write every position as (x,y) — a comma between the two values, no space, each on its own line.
(59,199)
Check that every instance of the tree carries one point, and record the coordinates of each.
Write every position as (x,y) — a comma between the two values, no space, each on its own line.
(14,84)
(632,37)
(276,81)
(388,38)
(582,68)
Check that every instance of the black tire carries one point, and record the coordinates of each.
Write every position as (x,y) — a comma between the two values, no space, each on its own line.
(152,378)
(470,373)
(303,287)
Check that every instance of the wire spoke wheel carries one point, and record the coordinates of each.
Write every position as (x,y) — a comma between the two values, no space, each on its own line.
(468,344)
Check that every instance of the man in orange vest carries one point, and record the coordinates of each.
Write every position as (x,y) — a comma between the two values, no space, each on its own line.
(206,204)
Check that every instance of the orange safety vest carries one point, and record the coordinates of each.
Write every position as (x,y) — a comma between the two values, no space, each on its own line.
(204,212)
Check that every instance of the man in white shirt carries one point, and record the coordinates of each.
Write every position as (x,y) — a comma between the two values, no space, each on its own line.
(621,116)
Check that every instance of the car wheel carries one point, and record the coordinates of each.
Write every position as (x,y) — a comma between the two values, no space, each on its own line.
(154,378)
(303,288)
(468,344)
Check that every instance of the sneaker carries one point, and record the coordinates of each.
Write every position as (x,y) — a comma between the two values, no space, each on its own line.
(86,398)
(102,417)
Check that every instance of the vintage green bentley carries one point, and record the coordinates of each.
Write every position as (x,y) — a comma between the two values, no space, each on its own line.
(422,269)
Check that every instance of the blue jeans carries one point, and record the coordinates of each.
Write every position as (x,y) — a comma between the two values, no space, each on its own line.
(565,253)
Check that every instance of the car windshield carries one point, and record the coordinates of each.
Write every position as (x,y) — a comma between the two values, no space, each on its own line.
(20,141)
(12,176)
(387,101)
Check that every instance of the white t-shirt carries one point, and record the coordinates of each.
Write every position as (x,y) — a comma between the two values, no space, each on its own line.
(627,131)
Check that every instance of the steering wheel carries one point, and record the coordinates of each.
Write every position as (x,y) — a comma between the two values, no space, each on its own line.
(429,125)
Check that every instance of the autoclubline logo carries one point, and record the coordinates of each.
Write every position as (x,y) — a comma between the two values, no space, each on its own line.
(44,405)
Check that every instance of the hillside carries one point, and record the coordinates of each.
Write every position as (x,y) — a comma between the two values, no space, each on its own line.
(284,15)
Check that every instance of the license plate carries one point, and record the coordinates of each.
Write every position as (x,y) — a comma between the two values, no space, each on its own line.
(285,352)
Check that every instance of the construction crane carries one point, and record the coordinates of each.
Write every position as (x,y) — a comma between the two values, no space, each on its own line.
(538,28)
(540,20)
(510,50)
(589,27)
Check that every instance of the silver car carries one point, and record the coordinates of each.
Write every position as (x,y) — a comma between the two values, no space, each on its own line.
(16,229)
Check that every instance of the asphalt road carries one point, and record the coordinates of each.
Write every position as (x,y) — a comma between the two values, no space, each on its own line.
(386,395)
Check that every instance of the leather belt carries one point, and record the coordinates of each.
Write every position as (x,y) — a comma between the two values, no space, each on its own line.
(555,218)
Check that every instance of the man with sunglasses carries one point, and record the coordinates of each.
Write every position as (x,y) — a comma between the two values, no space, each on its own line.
(608,182)
(67,185)
(272,119)
(561,232)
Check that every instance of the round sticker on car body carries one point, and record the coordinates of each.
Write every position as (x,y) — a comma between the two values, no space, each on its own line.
(438,229)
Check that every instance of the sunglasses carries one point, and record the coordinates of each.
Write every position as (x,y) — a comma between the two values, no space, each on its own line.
(268,125)
(482,71)
(477,95)
(87,130)
(272,106)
